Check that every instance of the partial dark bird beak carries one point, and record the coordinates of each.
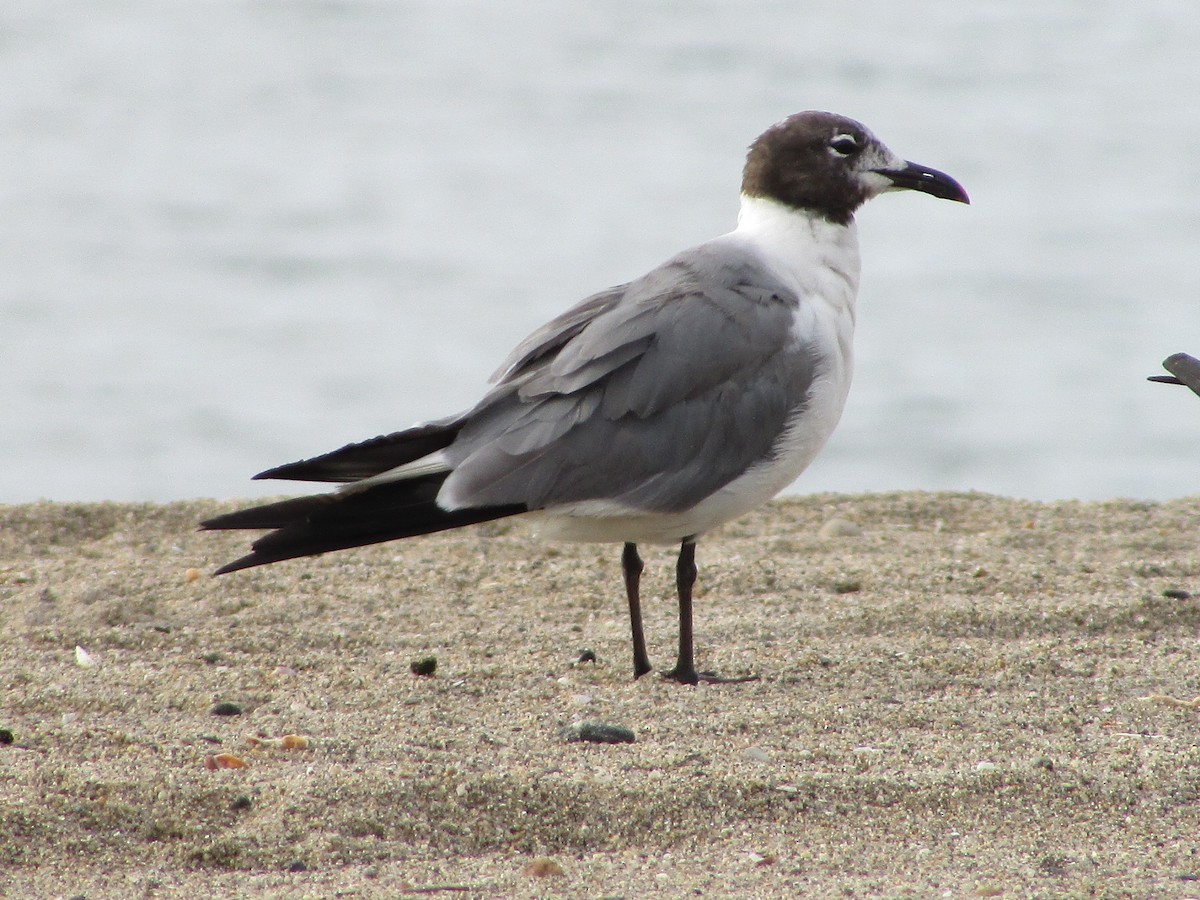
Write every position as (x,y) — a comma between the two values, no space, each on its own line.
(1184,369)
(914,177)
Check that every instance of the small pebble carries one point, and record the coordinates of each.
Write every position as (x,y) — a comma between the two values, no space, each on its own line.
(223,761)
(756,754)
(839,528)
(424,667)
(287,742)
(191,575)
(83,659)
(542,867)
(597,733)
(865,757)
(225,708)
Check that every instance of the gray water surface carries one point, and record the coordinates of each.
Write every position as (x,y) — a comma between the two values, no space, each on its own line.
(233,234)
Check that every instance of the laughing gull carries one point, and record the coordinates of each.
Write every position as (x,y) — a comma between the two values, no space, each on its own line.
(653,411)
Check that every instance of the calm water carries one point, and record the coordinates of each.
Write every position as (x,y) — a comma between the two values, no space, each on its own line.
(233,234)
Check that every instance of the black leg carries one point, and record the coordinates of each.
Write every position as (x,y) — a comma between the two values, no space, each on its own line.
(631,566)
(685,577)
(685,666)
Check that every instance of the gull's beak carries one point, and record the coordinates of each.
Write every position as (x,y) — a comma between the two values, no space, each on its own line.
(1184,369)
(915,177)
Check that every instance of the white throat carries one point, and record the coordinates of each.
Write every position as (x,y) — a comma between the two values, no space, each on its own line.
(816,257)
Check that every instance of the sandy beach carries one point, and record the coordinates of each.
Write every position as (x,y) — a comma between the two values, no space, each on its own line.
(961,695)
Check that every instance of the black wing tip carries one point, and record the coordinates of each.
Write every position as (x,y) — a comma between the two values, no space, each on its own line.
(364,459)
(281,473)
(293,471)
(319,523)
(262,556)
(254,559)
(228,521)
(245,562)
(277,514)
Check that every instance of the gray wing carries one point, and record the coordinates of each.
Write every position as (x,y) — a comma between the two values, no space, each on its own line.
(654,394)
(550,338)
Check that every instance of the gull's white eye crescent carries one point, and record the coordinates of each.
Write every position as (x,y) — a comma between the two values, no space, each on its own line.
(843,145)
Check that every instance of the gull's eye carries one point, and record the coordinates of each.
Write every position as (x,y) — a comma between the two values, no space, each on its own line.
(844,145)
